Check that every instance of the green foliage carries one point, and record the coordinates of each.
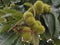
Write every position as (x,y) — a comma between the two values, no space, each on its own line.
(11,16)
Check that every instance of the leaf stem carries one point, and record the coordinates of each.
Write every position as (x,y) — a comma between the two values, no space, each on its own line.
(35,40)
